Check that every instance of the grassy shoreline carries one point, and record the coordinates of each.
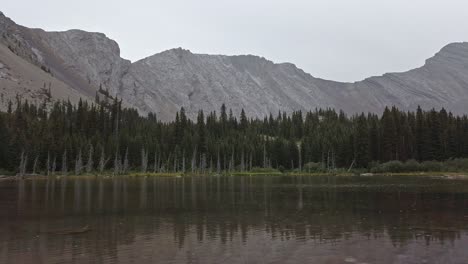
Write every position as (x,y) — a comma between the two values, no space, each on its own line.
(447,175)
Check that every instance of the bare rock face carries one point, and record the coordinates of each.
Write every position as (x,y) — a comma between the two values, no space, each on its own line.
(84,60)
(21,78)
(441,82)
(86,57)
(177,78)
(165,82)
(15,38)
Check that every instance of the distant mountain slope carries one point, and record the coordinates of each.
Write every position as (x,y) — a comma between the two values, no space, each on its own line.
(171,79)
(19,77)
(176,78)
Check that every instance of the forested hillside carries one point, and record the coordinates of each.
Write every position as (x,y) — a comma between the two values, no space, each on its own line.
(104,136)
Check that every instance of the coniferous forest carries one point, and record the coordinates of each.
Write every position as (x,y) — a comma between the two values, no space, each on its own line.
(105,137)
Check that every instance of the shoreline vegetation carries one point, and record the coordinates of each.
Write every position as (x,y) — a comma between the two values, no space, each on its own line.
(102,138)
(452,169)
(440,175)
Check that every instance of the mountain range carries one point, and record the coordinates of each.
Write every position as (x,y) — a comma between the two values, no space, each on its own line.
(37,65)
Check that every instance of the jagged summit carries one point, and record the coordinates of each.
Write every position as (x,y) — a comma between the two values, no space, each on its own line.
(175,78)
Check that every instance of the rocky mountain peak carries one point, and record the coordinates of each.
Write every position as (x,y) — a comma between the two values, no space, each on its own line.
(167,81)
(453,53)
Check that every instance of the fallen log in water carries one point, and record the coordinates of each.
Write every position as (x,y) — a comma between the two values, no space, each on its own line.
(71,231)
(434,229)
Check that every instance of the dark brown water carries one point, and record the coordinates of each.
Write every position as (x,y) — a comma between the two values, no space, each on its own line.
(258,219)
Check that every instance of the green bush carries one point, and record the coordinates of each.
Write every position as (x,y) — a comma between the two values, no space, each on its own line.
(5,172)
(456,165)
(313,167)
(412,166)
(431,166)
(281,168)
(395,166)
(263,170)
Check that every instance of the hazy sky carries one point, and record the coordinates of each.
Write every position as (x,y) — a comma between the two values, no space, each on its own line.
(345,40)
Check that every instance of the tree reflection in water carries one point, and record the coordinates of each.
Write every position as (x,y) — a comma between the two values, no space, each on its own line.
(241,219)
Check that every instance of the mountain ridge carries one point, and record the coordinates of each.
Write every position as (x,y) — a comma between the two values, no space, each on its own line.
(164,82)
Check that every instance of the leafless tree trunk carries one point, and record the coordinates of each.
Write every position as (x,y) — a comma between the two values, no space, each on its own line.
(23,164)
(116,163)
(54,165)
(194,160)
(64,163)
(242,165)
(144,160)
(78,164)
(203,163)
(218,165)
(183,161)
(300,156)
(211,165)
(125,163)
(231,163)
(156,163)
(48,164)
(102,161)
(35,165)
(89,164)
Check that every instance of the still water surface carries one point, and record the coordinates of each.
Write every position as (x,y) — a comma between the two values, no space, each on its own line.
(248,219)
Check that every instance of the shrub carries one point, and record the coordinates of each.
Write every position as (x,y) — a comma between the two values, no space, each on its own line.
(313,167)
(281,168)
(456,165)
(393,166)
(263,170)
(431,166)
(412,166)
(5,172)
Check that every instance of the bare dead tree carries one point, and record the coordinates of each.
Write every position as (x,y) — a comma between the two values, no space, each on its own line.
(89,164)
(35,165)
(48,164)
(203,163)
(194,160)
(54,165)
(116,163)
(144,160)
(78,163)
(125,163)
(211,165)
(23,163)
(102,161)
(156,163)
(242,165)
(218,165)
(231,163)
(64,163)
(183,161)
(300,156)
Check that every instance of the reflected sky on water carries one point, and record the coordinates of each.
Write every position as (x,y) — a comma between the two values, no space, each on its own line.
(243,219)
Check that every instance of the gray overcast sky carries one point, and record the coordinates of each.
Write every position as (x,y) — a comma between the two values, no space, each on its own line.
(345,40)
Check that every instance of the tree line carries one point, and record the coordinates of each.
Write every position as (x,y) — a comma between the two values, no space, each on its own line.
(103,136)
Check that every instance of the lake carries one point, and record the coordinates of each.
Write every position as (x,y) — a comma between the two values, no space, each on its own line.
(234,219)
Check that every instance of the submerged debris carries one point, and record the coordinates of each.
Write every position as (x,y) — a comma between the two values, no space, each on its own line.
(81,230)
